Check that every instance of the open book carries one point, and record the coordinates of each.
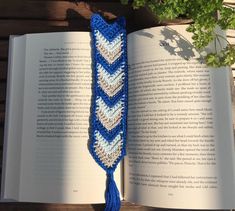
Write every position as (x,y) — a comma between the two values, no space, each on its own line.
(180,146)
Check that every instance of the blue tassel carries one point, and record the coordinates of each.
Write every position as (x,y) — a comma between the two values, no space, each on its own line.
(112,197)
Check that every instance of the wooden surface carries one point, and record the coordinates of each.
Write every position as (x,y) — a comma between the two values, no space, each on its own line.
(28,16)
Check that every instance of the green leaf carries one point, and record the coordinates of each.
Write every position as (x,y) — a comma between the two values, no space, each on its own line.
(212,60)
(204,16)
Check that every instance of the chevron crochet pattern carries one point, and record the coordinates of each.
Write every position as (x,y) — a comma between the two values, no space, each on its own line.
(109,112)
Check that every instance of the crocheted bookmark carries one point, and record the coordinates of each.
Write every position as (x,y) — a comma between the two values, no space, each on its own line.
(109,112)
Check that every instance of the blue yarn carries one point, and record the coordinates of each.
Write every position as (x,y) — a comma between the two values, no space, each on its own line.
(110,100)
(111,67)
(108,136)
(109,32)
(112,197)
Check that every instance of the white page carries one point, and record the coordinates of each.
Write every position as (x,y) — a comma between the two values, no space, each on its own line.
(56,165)
(180,148)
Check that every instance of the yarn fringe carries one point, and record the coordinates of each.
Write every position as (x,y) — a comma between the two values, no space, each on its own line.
(112,197)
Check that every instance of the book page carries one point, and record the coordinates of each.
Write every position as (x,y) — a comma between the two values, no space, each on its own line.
(180,147)
(56,165)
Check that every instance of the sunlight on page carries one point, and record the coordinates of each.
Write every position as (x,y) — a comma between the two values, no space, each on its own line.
(180,151)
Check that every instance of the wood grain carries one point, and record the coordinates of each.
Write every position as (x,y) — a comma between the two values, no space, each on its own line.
(19,27)
(21,17)
(4,48)
(59,10)
(2,117)
(2,91)
(3,71)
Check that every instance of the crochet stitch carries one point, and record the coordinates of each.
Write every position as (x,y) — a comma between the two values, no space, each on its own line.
(109,112)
